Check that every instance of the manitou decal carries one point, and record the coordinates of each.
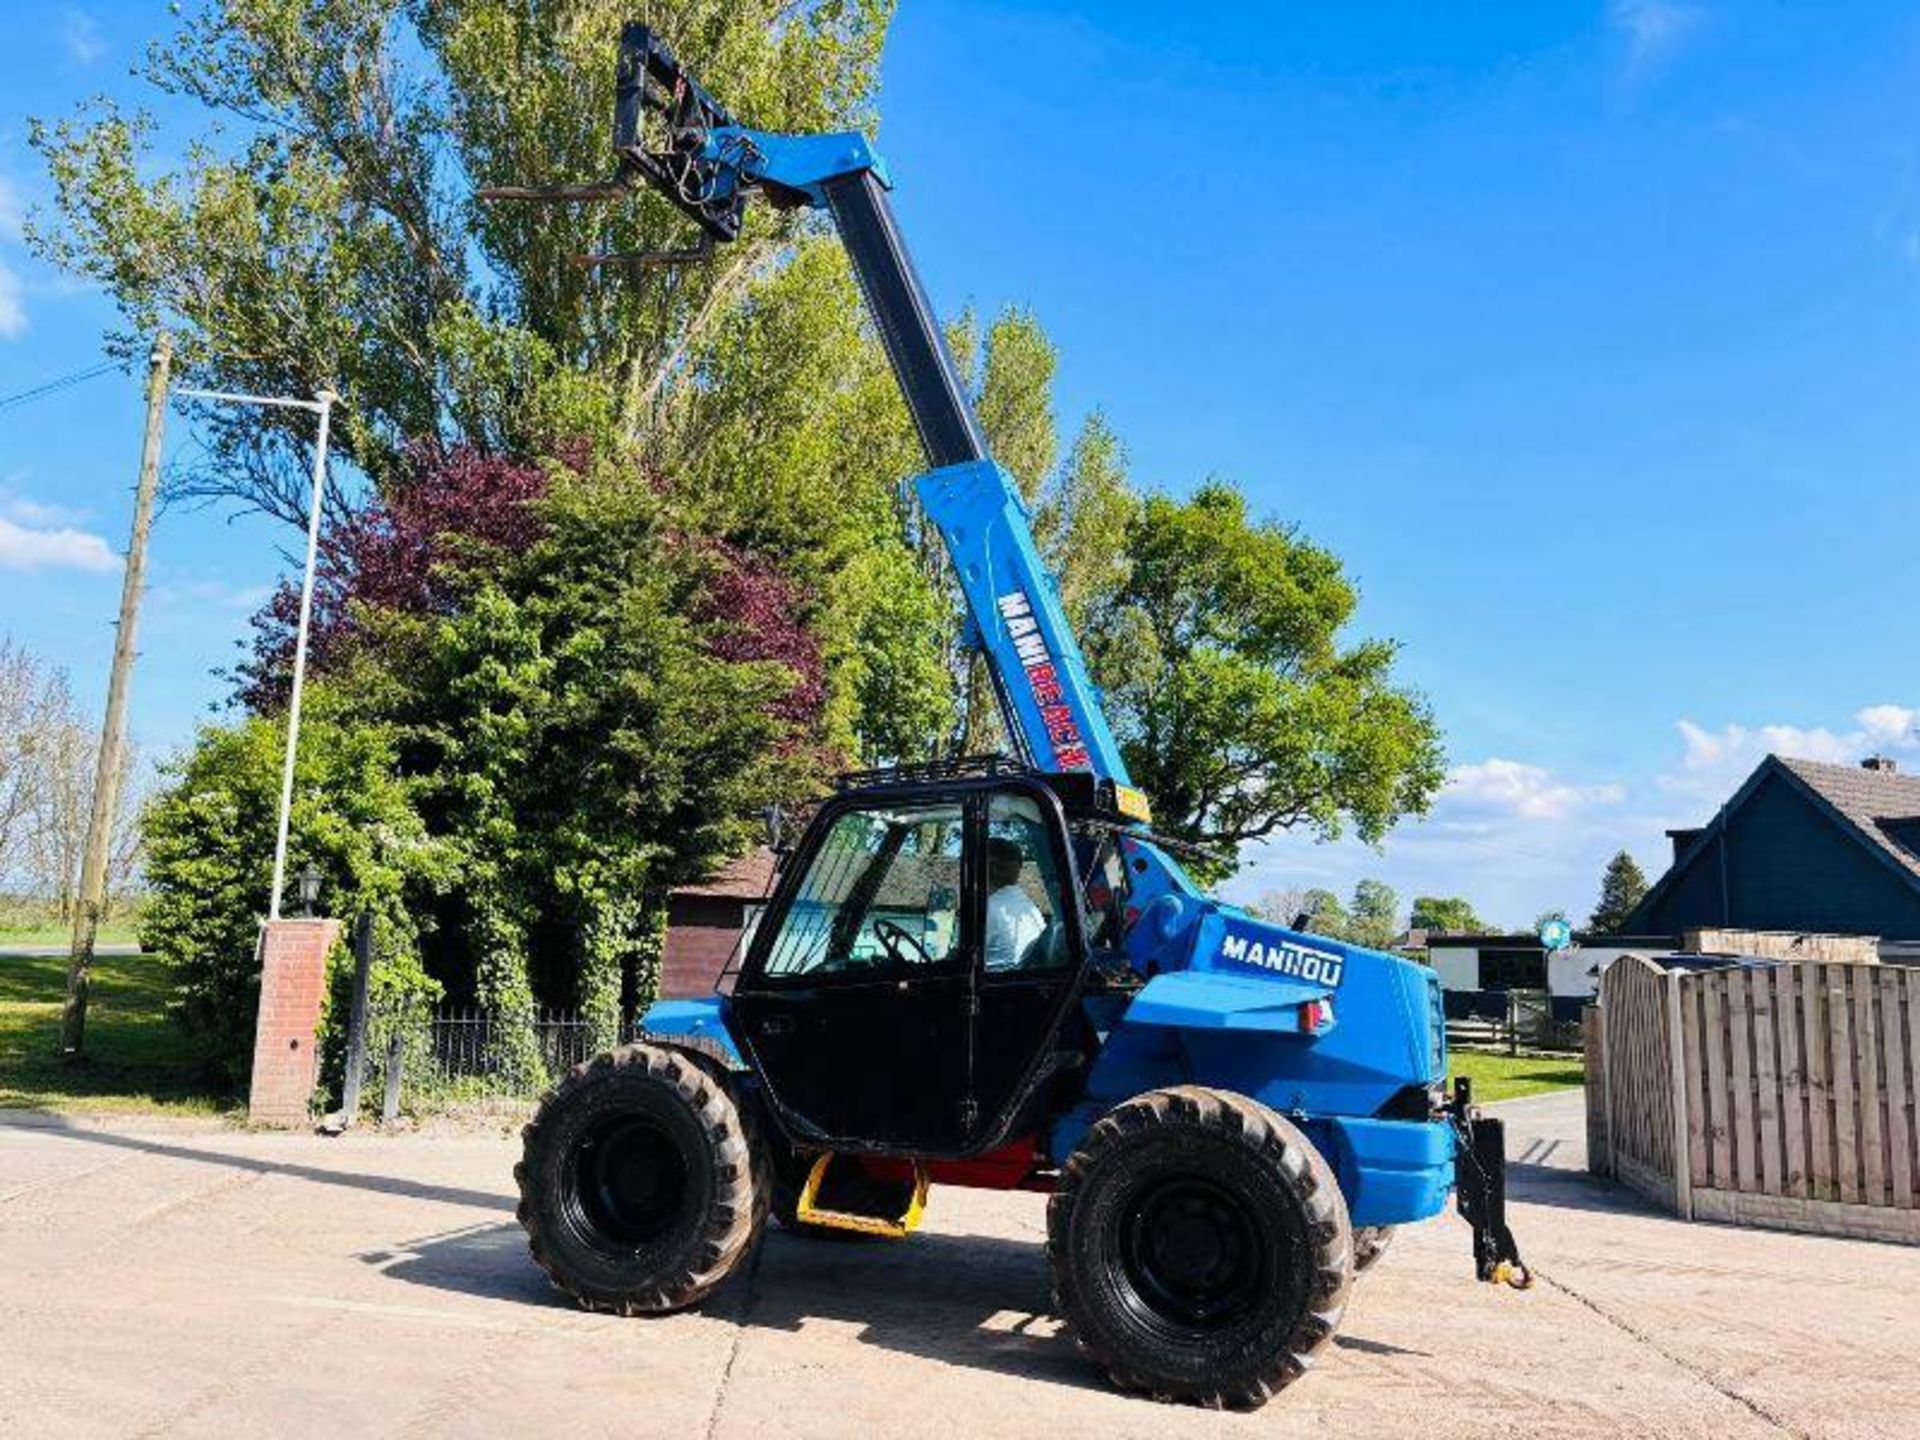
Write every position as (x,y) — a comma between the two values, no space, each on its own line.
(1285,957)
(1043,679)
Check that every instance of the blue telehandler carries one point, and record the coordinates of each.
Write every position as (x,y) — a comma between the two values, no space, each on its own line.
(992,972)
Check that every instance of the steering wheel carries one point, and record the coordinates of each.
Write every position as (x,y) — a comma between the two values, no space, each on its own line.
(1044,952)
(895,940)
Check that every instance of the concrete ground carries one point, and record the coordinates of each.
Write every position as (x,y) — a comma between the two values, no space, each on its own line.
(196,1281)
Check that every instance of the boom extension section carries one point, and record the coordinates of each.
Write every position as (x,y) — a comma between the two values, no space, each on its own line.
(670,135)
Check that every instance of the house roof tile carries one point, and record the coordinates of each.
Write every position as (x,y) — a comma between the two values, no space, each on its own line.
(1883,805)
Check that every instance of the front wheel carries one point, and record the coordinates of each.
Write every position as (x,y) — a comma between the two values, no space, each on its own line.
(1200,1247)
(642,1184)
(1369,1244)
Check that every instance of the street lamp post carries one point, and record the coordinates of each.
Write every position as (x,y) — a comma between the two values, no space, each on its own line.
(322,405)
(309,880)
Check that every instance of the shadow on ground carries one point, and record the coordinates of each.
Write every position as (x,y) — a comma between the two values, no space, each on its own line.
(203,1153)
(967,1300)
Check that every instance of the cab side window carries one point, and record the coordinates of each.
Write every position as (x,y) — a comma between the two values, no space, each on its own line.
(881,894)
(1104,885)
(1025,929)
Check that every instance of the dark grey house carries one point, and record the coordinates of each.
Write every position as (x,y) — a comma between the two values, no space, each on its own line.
(1804,847)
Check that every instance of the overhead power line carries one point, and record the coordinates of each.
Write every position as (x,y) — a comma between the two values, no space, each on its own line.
(54,387)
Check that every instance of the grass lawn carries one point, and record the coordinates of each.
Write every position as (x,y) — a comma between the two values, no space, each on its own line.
(136,1059)
(114,932)
(1507,1077)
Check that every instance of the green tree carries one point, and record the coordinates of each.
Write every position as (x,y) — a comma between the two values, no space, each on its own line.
(792,445)
(1446,914)
(1015,398)
(327,231)
(1281,906)
(1325,915)
(1622,888)
(578,726)
(1082,521)
(210,838)
(1240,706)
(1374,915)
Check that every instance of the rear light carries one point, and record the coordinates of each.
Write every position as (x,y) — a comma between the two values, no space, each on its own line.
(1315,1016)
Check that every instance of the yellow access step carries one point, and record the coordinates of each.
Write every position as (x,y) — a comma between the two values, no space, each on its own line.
(808,1211)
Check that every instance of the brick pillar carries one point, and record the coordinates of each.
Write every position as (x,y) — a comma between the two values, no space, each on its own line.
(293,980)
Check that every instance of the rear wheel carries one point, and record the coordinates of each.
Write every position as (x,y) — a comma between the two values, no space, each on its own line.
(642,1184)
(1200,1247)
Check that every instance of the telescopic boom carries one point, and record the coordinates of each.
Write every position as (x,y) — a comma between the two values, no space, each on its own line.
(672,136)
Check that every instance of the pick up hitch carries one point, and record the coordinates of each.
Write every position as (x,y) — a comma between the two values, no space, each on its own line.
(1480,1189)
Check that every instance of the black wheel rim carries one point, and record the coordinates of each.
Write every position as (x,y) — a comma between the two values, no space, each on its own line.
(627,1183)
(1192,1258)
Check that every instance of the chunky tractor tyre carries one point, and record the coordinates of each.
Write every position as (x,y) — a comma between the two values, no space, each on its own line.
(1370,1242)
(1200,1247)
(642,1183)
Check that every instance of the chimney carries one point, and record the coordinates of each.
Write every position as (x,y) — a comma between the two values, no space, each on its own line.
(1883,764)
(1683,840)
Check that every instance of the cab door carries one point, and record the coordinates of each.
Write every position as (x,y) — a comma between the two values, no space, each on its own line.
(1032,955)
(854,1003)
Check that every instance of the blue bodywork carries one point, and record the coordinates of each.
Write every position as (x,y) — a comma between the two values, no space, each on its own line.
(1224,994)
(1226,1006)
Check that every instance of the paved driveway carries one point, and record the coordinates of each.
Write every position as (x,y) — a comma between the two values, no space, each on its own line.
(191,1281)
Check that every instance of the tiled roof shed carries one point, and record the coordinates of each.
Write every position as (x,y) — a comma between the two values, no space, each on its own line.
(704,921)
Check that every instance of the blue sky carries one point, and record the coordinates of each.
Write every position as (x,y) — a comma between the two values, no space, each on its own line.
(1586,333)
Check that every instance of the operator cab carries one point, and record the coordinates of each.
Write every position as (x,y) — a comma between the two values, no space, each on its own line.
(910,989)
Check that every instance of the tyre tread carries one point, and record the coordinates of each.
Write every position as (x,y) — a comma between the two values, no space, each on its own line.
(741,1169)
(1252,1124)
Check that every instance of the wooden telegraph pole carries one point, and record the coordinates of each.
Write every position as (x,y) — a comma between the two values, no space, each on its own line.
(113,731)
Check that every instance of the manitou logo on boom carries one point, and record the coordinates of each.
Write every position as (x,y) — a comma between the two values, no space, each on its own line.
(1043,678)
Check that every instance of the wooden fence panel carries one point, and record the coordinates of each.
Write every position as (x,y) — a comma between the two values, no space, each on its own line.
(1638,1075)
(1787,1094)
(1894,1010)
(1846,1114)
(1766,1081)
(1746,1169)
(1865,994)
(1719,1154)
(1792,1080)
(1694,1059)
(1813,1009)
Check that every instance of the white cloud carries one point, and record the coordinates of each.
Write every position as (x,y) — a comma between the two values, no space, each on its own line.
(1513,837)
(1714,762)
(1654,30)
(1500,788)
(80,33)
(1517,838)
(22,547)
(40,517)
(1893,725)
(228,597)
(13,312)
